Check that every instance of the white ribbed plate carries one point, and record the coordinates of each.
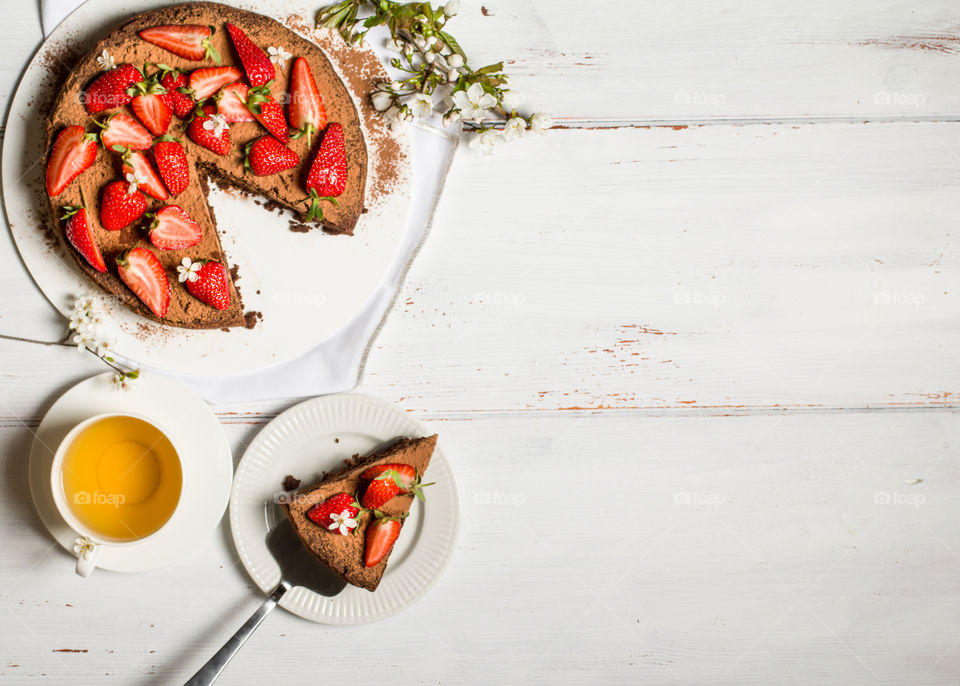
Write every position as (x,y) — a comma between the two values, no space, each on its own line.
(303,441)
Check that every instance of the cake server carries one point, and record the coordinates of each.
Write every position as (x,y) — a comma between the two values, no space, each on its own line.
(298,567)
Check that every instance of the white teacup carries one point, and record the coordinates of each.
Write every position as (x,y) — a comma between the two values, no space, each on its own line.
(139,475)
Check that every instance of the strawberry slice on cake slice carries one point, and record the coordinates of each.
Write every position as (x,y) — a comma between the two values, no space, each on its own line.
(353,540)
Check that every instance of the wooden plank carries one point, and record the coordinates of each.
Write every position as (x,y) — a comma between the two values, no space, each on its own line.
(709,267)
(613,549)
(686,60)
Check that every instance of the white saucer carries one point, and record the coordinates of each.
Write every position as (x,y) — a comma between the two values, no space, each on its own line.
(303,442)
(204,450)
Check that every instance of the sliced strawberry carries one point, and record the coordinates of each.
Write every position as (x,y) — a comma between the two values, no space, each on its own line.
(328,172)
(140,269)
(409,480)
(80,235)
(172,164)
(190,41)
(171,79)
(74,150)
(232,102)
(109,90)
(268,112)
(343,506)
(173,229)
(209,129)
(120,205)
(207,81)
(153,111)
(267,155)
(383,487)
(382,533)
(120,130)
(137,166)
(306,111)
(212,285)
(256,63)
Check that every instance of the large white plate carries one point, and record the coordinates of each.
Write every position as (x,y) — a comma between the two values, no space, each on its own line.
(303,441)
(204,452)
(308,286)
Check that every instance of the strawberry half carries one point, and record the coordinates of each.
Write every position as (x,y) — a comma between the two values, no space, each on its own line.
(212,285)
(268,112)
(109,90)
(172,164)
(135,163)
(140,269)
(306,111)
(208,129)
(343,505)
(328,172)
(256,63)
(120,130)
(382,533)
(409,480)
(267,155)
(74,150)
(119,206)
(232,102)
(80,235)
(381,489)
(173,80)
(207,81)
(173,229)
(189,41)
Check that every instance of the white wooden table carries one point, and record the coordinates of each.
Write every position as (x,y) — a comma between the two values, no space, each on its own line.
(694,354)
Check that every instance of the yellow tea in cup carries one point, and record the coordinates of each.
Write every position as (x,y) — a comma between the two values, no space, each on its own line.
(121,478)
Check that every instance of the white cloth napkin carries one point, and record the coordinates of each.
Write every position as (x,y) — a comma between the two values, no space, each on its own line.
(336,363)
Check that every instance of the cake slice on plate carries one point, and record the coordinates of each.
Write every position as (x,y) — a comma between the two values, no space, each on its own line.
(350,519)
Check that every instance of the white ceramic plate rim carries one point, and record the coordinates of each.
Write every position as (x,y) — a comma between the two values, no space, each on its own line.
(204,452)
(424,556)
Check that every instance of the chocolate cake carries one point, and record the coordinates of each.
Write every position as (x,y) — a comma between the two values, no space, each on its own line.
(285,188)
(344,554)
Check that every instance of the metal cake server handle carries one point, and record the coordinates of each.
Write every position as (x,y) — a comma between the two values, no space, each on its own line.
(215,665)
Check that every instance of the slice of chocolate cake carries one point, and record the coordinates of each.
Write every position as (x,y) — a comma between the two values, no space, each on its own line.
(344,554)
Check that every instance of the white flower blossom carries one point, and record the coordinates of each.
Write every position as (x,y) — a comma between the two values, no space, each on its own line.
(451,8)
(396,86)
(451,117)
(86,322)
(392,115)
(120,381)
(455,61)
(394,45)
(187,270)
(105,61)
(429,57)
(474,102)
(514,128)
(83,547)
(419,42)
(431,41)
(408,50)
(540,122)
(216,123)
(421,105)
(486,141)
(134,182)
(381,100)
(342,522)
(453,75)
(511,101)
(278,55)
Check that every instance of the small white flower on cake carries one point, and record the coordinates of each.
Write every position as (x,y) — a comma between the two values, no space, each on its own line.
(133,181)
(421,105)
(105,61)
(216,123)
(342,522)
(474,102)
(540,122)
(514,128)
(486,141)
(187,270)
(278,55)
